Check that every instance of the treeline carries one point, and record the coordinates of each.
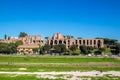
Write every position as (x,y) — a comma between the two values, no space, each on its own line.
(9,48)
(73,50)
(111,46)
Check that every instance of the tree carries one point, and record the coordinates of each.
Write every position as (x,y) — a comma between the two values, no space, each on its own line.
(46,37)
(113,41)
(57,49)
(105,50)
(90,49)
(63,48)
(69,36)
(46,47)
(3,47)
(72,36)
(19,42)
(8,37)
(22,34)
(5,37)
(60,48)
(35,50)
(109,41)
(117,47)
(75,52)
(84,49)
(8,48)
(73,47)
(41,50)
(79,37)
(12,48)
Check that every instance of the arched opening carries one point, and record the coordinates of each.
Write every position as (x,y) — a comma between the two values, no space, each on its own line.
(55,42)
(33,41)
(60,41)
(99,43)
(94,42)
(64,42)
(79,41)
(76,42)
(90,42)
(51,42)
(87,42)
(83,42)
(68,42)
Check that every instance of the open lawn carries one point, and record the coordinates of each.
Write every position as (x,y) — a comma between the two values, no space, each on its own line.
(54,59)
(23,77)
(57,63)
(26,67)
(40,64)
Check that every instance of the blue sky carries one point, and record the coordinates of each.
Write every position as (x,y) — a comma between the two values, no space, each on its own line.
(80,18)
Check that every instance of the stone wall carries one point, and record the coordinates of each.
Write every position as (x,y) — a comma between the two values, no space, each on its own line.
(59,39)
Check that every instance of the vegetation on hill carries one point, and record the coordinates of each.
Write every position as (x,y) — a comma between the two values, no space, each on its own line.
(110,46)
(9,48)
(22,34)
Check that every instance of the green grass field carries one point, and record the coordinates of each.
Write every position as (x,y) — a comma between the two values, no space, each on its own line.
(57,63)
(14,63)
(55,59)
(23,77)
(60,67)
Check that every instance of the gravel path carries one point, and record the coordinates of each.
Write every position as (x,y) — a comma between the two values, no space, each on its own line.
(89,73)
(72,75)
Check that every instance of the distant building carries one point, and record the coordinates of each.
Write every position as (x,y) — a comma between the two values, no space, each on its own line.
(26,48)
(37,39)
(10,40)
(58,38)
(30,42)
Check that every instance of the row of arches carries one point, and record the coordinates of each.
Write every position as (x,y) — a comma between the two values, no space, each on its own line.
(97,43)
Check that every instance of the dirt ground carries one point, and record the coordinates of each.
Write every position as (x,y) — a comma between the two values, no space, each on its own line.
(66,75)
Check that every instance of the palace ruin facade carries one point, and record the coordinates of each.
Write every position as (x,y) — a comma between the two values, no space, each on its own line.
(58,38)
(30,42)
